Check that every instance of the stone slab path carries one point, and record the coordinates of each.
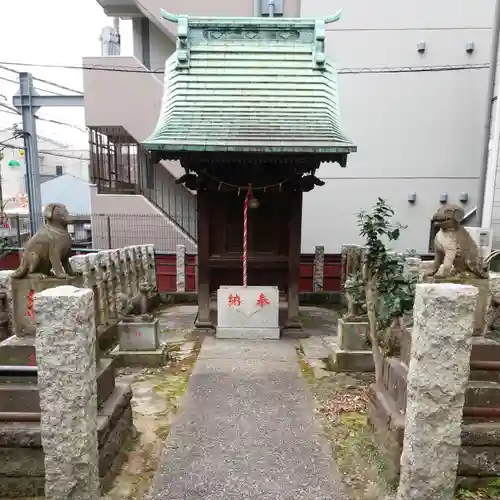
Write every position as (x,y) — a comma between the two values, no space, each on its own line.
(246,430)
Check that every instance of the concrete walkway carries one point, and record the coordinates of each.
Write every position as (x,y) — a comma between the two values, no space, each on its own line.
(246,430)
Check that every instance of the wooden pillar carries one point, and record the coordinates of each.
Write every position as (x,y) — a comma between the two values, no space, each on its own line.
(295,225)
(203,320)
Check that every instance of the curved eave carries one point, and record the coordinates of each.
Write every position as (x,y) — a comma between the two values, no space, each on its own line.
(256,155)
(179,149)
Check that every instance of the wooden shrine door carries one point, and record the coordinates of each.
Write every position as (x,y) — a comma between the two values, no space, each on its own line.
(268,239)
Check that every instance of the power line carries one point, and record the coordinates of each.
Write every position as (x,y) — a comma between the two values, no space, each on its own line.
(352,71)
(36,88)
(8,111)
(48,82)
(45,152)
(5,145)
(12,110)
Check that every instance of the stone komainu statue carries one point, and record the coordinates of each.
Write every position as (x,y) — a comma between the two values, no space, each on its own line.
(455,250)
(49,248)
(133,309)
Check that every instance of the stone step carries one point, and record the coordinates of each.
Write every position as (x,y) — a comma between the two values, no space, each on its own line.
(485,375)
(23,397)
(485,349)
(21,454)
(484,394)
(479,454)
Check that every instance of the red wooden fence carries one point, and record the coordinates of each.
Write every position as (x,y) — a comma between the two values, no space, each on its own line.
(166,271)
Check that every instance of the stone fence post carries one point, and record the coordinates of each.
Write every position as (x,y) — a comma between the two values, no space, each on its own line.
(436,384)
(6,311)
(319,268)
(66,359)
(180,259)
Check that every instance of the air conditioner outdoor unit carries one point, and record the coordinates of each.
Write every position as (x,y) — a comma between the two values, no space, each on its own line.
(483,237)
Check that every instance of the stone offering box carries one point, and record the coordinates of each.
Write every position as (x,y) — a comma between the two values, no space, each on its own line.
(250,312)
(350,352)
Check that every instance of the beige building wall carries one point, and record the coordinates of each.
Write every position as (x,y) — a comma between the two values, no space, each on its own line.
(141,224)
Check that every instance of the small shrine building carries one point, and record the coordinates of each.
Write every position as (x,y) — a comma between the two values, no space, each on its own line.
(250,110)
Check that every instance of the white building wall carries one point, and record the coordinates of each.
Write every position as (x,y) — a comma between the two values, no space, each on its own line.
(420,132)
(160,46)
(74,162)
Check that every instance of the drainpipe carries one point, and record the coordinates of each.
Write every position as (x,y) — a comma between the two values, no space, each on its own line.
(256,8)
(486,215)
(491,90)
(272,5)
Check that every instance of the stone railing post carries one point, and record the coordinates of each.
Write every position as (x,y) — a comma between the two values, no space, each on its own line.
(436,383)
(143,254)
(132,271)
(66,360)
(319,268)
(180,260)
(6,311)
(150,249)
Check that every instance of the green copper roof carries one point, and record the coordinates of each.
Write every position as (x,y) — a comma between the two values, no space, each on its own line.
(250,85)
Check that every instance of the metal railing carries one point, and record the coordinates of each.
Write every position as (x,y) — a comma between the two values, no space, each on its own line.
(119,165)
(104,231)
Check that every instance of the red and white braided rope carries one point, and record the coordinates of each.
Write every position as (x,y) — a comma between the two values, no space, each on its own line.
(245,236)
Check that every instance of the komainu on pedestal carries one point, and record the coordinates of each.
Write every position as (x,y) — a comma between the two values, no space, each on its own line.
(47,252)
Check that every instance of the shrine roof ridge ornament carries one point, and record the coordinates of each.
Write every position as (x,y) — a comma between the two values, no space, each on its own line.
(261,21)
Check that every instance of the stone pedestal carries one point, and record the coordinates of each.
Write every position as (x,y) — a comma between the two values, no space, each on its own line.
(483,300)
(138,336)
(248,312)
(139,345)
(23,291)
(350,352)
(353,335)
(67,382)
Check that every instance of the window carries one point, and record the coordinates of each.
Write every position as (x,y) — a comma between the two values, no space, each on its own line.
(278,8)
(59,169)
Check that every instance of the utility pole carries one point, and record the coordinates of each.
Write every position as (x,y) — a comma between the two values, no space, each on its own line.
(32,174)
(27,101)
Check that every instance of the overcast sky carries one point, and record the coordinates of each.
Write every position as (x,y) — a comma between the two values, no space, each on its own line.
(58,32)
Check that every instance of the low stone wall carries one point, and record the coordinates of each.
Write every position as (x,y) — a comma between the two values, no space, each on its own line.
(111,272)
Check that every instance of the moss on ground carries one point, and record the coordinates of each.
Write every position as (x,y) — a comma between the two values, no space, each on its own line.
(141,453)
(342,409)
(491,492)
(341,406)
